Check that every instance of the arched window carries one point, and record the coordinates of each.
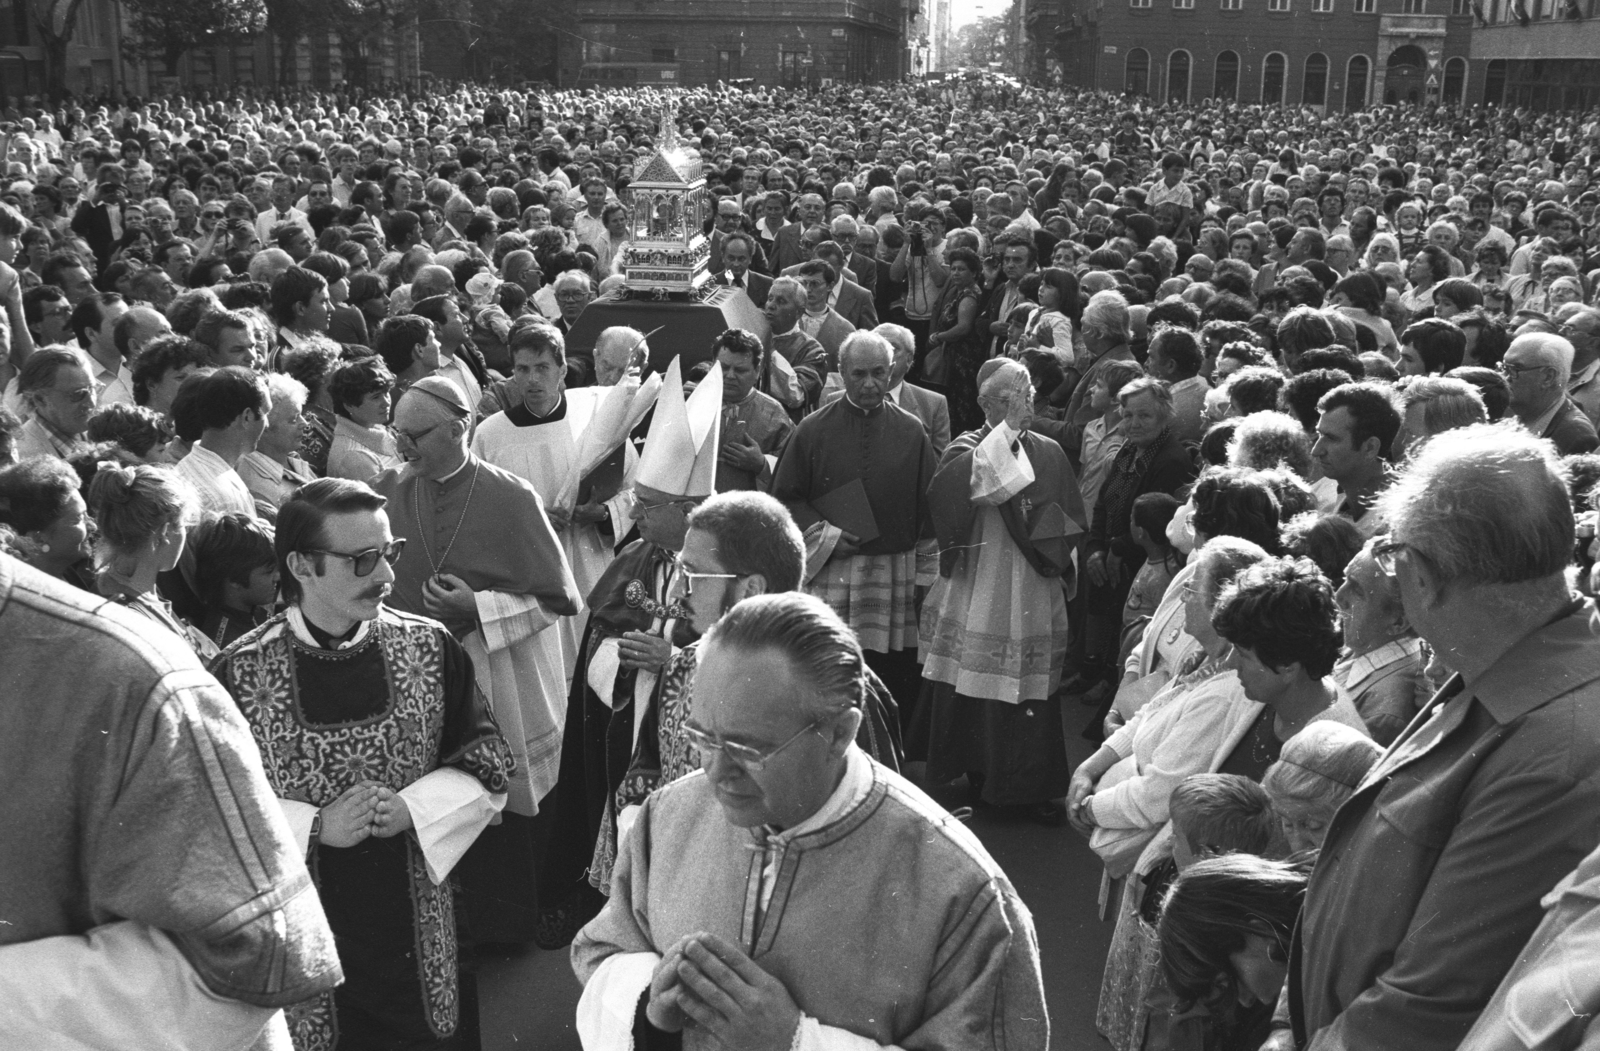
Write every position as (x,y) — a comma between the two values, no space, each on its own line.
(1314,88)
(1356,74)
(1136,78)
(1404,82)
(1225,85)
(1494,82)
(1455,81)
(1178,76)
(1272,78)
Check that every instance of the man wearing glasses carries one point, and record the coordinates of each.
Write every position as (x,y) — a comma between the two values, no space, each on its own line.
(796,870)
(1429,881)
(635,625)
(55,386)
(500,591)
(370,725)
(738,544)
(1537,367)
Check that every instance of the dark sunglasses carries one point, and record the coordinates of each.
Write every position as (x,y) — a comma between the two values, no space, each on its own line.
(364,562)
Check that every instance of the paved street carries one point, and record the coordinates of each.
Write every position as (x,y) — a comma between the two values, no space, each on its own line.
(528,1000)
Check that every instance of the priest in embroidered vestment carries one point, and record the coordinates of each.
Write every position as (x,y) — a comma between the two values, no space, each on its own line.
(483,558)
(794,893)
(1008,513)
(635,627)
(385,758)
(855,476)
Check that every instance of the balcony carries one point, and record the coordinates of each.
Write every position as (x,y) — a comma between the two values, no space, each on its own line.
(1559,38)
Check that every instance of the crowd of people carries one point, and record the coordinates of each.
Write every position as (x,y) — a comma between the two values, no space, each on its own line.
(1262,442)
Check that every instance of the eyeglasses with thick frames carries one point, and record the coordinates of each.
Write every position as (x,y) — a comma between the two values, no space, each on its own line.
(752,760)
(364,562)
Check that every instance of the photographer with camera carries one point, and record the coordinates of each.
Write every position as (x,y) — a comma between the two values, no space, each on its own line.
(920,264)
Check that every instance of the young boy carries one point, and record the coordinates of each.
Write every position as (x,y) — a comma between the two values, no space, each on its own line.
(235,576)
(1212,814)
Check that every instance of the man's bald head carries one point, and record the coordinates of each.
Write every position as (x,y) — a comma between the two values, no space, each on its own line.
(614,351)
(432,280)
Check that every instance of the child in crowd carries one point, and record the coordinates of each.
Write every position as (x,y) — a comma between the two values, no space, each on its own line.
(235,576)
(1149,519)
(1212,815)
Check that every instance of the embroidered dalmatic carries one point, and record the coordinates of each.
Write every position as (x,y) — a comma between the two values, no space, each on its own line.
(606,711)
(396,704)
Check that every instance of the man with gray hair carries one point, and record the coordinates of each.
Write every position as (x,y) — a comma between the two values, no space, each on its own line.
(754,950)
(855,476)
(617,350)
(931,408)
(1105,338)
(796,365)
(1581,327)
(1429,882)
(1007,512)
(1537,367)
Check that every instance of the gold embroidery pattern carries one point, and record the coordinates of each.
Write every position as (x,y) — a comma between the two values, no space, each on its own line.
(317,764)
(436,944)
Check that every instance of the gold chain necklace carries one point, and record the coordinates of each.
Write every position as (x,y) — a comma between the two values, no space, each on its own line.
(416,507)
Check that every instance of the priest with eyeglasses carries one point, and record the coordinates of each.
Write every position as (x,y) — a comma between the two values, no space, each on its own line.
(794,893)
(484,559)
(385,758)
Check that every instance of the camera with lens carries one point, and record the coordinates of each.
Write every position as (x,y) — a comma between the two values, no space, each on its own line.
(914,236)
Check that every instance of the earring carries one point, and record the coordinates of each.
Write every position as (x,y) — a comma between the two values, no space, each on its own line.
(44,549)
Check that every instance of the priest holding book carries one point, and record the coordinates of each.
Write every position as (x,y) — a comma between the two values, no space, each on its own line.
(1008,515)
(855,477)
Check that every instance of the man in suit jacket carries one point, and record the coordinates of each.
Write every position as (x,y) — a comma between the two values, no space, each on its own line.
(852,301)
(787,250)
(1538,366)
(1429,881)
(100,223)
(846,233)
(729,221)
(929,407)
(736,270)
(821,321)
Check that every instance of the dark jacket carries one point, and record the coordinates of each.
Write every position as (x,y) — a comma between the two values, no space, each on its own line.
(756,286)
(1429,881)
(1171,469)
(1571,430)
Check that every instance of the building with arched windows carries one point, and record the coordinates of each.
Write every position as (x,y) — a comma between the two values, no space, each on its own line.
(1334,55)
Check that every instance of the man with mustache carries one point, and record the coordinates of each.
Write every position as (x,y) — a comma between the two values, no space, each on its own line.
(370,725)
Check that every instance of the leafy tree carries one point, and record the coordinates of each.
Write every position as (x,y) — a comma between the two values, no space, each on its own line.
(165,29)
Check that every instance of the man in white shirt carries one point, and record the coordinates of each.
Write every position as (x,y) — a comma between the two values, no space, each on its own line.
(232,410)
(282,210)
(93,323)
(130,333)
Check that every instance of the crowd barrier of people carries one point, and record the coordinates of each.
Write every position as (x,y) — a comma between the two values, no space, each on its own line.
(352,623)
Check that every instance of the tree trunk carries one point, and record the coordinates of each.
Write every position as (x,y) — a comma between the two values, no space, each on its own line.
(54,50)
